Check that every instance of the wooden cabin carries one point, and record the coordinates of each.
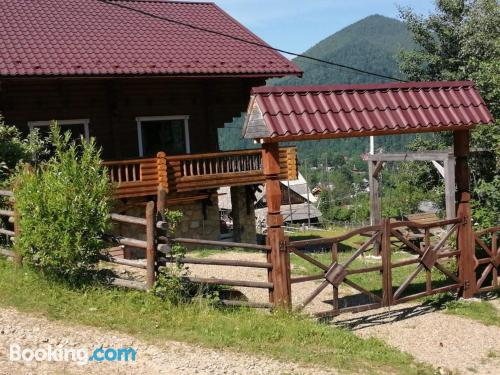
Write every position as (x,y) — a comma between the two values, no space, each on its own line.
(152,82)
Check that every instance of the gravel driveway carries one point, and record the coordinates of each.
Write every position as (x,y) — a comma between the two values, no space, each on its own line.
(169,358)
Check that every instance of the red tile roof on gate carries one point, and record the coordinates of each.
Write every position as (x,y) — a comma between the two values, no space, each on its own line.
(99,38)
(363,110)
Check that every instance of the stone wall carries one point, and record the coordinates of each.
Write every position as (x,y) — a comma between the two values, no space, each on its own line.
(243,214)
(200,220)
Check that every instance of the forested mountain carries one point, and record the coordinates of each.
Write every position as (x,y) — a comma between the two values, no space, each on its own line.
(370,44)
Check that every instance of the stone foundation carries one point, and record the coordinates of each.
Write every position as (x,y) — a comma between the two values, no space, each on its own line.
(200,220)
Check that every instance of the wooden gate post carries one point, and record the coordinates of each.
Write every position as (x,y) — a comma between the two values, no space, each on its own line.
(150,245)
(386,262)
(278,257)
(465,235)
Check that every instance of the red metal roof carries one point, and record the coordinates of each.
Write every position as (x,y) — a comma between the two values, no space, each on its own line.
(92,37)
(363,110)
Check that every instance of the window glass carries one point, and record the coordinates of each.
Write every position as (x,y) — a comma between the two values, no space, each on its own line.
(77,130)
(163,135)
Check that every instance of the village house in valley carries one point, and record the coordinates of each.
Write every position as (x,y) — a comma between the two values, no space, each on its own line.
(151,86)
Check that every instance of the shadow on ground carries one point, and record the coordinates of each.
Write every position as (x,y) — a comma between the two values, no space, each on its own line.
(388,316)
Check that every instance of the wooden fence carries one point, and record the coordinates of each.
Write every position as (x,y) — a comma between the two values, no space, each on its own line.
(167,258)
(435,254)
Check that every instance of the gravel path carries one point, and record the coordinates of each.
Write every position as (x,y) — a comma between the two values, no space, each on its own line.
(170,358)
(445,341)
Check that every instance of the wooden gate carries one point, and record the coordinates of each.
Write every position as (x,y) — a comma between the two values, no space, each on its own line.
(430,255)
(487,259)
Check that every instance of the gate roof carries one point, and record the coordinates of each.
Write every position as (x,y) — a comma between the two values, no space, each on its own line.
(315,112)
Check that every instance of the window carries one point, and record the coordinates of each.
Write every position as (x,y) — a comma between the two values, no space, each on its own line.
(78,128)
(163,133)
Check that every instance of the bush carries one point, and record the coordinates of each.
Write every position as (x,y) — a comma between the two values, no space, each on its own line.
(64,208)
(172,284)
(14,149)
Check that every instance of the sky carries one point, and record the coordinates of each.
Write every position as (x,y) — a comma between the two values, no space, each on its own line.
(297,25)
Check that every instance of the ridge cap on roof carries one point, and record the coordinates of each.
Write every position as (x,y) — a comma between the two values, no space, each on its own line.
(360,87)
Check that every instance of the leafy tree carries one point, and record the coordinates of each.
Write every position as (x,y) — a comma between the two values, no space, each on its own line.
(461,41)
(14,149)
(64,206)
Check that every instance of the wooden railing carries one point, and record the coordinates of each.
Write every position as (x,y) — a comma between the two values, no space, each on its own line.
(185,173)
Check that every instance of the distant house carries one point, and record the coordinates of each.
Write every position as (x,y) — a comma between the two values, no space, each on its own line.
(135,77)
(297,203)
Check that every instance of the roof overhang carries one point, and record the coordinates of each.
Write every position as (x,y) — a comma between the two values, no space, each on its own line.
(280,114)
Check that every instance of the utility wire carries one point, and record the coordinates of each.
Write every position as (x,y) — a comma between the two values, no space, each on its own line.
(258,44)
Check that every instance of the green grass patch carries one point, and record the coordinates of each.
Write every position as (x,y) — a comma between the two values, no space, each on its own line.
(279,335)
(481,311)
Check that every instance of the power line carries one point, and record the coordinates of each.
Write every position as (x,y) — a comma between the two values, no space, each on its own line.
(258,44)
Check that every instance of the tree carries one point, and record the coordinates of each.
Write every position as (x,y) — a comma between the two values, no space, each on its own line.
(461,41)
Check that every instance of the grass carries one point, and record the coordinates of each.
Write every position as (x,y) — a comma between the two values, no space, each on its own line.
(481,311)
(282,336)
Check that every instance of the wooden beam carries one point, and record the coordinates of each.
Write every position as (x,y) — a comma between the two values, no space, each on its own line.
(449,184)
(375,200)
(279,257)
(378,168)
(409,156)
(465,235)
(321,136)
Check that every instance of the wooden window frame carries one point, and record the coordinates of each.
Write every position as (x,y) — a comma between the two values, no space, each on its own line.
(85,122)
(142,119)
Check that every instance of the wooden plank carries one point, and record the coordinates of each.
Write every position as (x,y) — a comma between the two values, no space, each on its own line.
(7,253)
(325,241)
(128,284)
(221,244)
(427,293)
(150,246)
(241,283)
(7,232)
(218,262)
(128,219)
(302,279)
(7,213)
(125,262)
(6,193)
(256,305)
(409,156)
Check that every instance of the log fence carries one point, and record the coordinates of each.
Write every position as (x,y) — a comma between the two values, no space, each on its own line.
(433,255)
(166,247)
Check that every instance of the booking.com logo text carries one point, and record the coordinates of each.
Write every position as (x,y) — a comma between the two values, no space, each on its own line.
(81,356)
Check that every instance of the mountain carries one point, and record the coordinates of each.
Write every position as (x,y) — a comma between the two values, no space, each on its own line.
(370,44)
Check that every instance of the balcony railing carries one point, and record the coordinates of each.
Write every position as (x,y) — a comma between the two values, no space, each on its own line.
(185,173)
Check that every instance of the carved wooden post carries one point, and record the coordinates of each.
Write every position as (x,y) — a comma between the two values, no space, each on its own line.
(150,245)
(465,235)
(278,257)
